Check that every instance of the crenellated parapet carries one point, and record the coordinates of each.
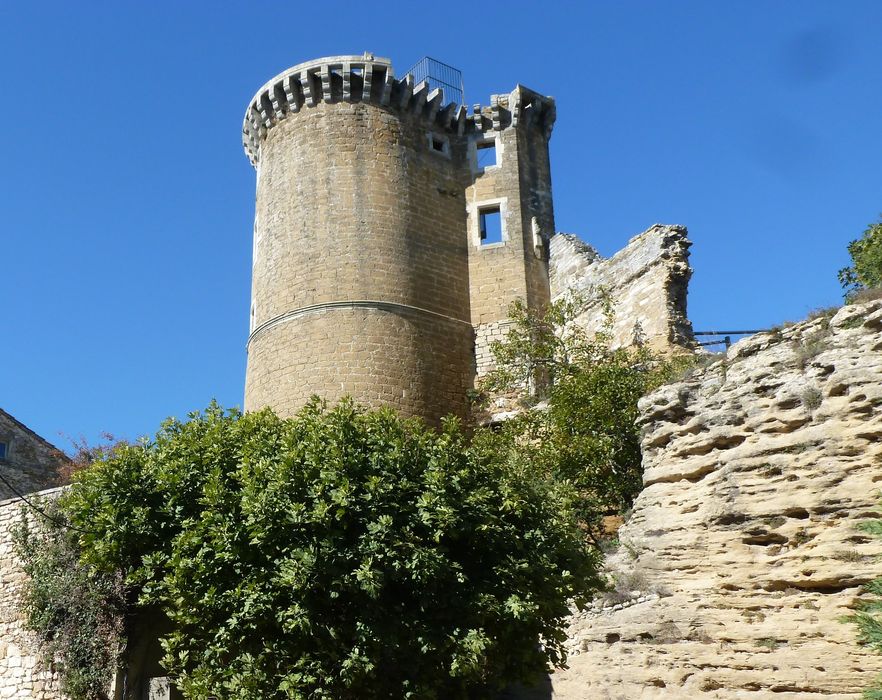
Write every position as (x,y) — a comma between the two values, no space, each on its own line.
(372,79)
(521,107)
(343,79)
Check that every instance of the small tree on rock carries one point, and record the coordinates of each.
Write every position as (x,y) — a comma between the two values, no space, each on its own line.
(865,271)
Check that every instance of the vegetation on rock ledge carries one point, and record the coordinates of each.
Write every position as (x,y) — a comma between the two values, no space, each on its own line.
(868,618)
(865,271)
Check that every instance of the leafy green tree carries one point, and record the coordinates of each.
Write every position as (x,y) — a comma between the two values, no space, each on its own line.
(543,345)
(865,271)
(339,554)
(587,436)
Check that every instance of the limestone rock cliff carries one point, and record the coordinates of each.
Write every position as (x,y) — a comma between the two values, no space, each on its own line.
(742,553)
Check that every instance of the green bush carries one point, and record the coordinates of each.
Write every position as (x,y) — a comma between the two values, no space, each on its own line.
(340,554)
(865,271)
(587,437)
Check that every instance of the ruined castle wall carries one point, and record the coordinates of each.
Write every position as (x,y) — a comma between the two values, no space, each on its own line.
(360,278)
(646,282)
(744,550)
(20,672)
(496,270)
(519,184)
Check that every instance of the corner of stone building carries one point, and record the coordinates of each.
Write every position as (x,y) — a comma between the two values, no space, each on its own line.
(28,462)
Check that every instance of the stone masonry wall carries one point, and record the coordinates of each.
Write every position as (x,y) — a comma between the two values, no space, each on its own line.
(353,205)
(519,184)
(485,335)
(646,280)
(380,357)
(743,551)
(31,463)
(20,674)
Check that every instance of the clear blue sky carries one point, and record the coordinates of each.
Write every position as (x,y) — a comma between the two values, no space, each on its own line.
(126,201)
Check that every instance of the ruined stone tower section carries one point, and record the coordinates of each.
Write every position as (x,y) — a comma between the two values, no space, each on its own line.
(361,266)
(646,282)
(510,211)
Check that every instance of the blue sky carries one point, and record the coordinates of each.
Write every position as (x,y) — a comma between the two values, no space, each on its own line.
(126,201)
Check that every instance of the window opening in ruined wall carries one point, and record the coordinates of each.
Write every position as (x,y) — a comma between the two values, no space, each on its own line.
(490,222)
(486,153)
(4,451)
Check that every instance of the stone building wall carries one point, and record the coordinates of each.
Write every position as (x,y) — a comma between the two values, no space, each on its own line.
(744,550)
(360,278)
(380,356)
(20,673)
(370,277)
(519,184)
(31,463)
(646,281)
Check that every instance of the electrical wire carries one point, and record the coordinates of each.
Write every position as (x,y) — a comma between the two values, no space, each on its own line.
(42,512)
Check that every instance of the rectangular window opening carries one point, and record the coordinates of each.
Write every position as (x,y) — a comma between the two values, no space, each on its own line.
(438,144)
(487,154)
(491,225)
(4,450)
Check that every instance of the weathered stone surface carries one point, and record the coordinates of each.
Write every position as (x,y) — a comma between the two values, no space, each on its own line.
(27,461)
(369,273)
(743,552)
(21,676)
(646,281)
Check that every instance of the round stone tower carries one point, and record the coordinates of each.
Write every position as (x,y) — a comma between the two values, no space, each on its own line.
(361,266)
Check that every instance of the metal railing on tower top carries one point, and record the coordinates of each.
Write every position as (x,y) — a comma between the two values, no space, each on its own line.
(440,75)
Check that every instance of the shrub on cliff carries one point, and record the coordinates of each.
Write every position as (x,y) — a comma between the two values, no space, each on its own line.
(865,271)
(868,618)
(340,554)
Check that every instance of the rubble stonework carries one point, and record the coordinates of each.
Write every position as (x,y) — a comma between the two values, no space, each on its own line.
(743,551)
(646,281)
(21,676)
(30,463)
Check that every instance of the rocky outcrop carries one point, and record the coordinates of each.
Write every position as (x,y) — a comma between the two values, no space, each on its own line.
(743,552)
